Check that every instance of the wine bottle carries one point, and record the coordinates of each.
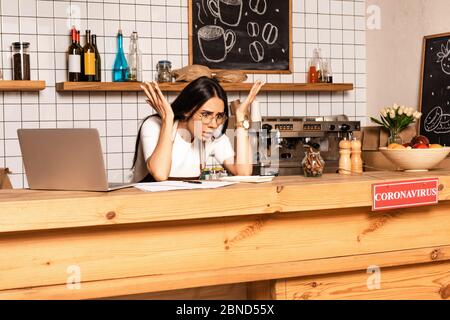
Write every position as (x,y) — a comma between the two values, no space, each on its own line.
(98,61)
(82,58)
(74,58)
(79,41)
(89,58)
(120,69)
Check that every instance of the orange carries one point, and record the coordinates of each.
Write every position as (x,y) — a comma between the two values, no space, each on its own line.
(395,146)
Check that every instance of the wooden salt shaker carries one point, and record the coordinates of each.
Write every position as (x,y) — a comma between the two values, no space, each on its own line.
(356,160)
(345,165)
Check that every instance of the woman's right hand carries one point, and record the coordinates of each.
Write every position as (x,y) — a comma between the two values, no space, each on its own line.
(157,101)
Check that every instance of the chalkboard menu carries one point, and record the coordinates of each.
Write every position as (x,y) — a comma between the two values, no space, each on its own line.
(435,90)
(250,35)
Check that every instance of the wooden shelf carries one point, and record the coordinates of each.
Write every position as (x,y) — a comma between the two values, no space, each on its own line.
(24,86)
(177,87)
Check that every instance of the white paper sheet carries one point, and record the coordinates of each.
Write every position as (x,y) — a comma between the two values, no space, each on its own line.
(248,179)
(180,185)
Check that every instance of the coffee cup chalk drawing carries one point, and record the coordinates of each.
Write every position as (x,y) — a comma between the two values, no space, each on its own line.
(229,12)
(215,42)
(199,12)
(444,58)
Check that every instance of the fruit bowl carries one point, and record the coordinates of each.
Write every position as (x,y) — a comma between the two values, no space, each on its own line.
(416,160)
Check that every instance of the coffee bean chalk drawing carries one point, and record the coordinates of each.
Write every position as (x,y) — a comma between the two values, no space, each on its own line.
(270,33)
(258,6)
(256,51)
(253,29)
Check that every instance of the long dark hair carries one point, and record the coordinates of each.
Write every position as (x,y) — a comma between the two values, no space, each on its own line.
(192,98)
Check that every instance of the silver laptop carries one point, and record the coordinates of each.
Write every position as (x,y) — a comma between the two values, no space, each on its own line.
(64,159)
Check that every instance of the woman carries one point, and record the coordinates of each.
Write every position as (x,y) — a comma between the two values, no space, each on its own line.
(169,143)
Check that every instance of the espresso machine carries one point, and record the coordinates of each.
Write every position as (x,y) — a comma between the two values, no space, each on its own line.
(286,136)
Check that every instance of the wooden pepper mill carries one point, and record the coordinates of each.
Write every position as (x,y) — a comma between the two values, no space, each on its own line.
(345,150)
(356,160)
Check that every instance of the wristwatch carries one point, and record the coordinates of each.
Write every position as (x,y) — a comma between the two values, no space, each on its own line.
(243,124)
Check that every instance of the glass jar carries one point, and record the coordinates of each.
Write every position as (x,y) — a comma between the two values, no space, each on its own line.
(327,73)
(312,164)
(21,60)
(164,71)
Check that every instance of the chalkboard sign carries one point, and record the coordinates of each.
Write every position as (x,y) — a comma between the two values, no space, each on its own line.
(250,35)
(435,90)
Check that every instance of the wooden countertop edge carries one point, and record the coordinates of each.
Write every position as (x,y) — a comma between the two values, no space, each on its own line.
(28,210)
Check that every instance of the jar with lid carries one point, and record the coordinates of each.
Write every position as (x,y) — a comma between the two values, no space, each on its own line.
(313,163)
(164,71)
(21,60)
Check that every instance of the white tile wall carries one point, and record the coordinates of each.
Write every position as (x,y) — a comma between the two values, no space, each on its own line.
(337,26)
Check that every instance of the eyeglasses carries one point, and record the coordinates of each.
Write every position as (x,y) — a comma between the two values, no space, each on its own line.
(208,117)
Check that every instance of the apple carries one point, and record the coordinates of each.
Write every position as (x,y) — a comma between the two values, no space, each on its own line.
(420,140)
(420,146)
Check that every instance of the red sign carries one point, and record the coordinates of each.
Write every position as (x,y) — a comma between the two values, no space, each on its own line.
(405,194)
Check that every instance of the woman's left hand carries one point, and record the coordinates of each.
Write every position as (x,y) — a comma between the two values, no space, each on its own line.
(244,108)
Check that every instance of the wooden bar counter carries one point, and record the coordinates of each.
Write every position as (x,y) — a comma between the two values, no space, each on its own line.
(293,238)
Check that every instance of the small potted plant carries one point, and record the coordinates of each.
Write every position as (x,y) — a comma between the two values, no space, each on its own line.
(396,119)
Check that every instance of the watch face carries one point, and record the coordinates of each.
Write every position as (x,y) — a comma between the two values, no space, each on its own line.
(246,124)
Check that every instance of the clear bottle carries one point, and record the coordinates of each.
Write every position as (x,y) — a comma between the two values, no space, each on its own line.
(164,71)
(135,59)
(120,69)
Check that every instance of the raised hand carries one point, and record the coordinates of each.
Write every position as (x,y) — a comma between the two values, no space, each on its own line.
(157,100)
(244,108)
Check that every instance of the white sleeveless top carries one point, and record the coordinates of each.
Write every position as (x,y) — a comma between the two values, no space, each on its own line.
(185,155)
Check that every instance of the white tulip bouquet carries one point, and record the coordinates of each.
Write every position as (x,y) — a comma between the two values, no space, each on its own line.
(396,119)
